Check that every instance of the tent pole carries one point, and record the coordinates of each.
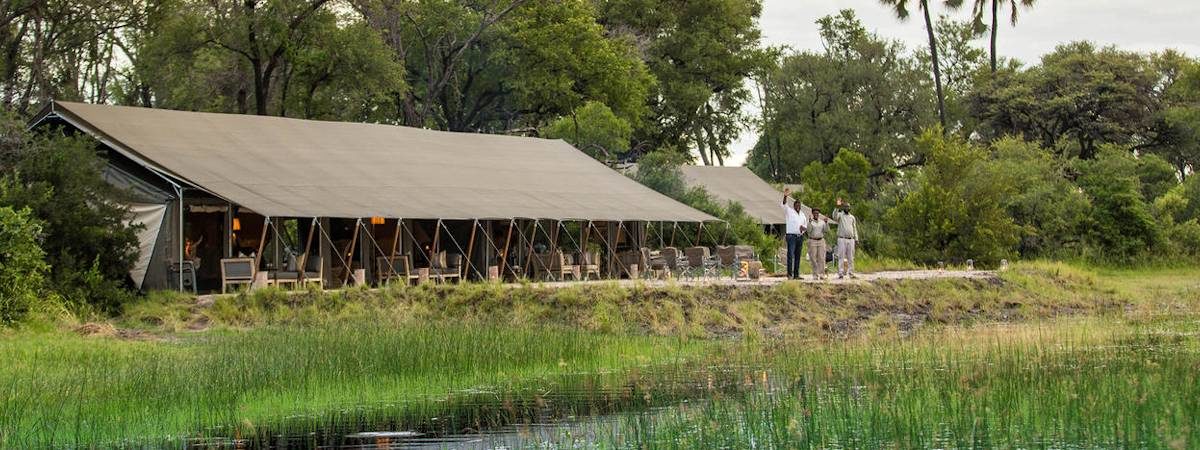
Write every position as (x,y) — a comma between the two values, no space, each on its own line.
(392,256)
(262,242)
(674,228)
(437,237)
(454,241)
(507,241)
(350,252)
(488,239)
(471,247)
(182,244)
(304,256)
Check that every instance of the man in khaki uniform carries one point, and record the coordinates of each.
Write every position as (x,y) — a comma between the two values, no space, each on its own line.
(818,226)
(847,234)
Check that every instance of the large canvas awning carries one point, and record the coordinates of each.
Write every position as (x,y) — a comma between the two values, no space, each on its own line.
(738,184)
(303,168)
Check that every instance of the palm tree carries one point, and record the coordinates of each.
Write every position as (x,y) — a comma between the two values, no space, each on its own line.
(900,7)
(1012,17)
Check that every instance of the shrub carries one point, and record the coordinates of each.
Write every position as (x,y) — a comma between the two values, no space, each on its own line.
(22,267)
(956,210)
(1120,225)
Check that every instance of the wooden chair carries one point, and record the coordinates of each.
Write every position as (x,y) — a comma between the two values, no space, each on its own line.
(699,263)
(588,263)
(397,267)
(674,260)
(314,272)
(446,266)
(555,265)
(237,271)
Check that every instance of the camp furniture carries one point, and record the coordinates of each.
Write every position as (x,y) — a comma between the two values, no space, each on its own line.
(398,267)
(554,265)
(237,271)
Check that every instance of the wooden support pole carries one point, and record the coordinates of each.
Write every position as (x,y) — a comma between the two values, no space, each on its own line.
(507,240)
(304,256)
(350,253)
(392,256)
(262,243)
(470,250)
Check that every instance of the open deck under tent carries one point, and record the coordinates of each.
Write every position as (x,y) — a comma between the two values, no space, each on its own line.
(285,192)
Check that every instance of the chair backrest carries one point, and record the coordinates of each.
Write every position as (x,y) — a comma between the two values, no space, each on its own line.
(696,256)
(314,264)
(671,256)
(400,265)
(744,252)
(438,260)
(451,260)
(237,269)
(727,254)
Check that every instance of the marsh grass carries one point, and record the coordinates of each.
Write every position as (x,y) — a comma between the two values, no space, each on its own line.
(65,390)
(1093,383)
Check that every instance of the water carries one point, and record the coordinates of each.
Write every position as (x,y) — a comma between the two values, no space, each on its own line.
(572,410)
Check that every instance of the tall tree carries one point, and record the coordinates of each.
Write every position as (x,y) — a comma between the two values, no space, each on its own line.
(1015,5)
(701,52)
(862,93)
(900,8)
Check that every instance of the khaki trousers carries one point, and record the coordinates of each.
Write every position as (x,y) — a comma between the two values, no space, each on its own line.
(816,256)
(845,256)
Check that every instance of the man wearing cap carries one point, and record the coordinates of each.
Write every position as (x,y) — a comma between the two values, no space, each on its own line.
(847,234)
(796,224)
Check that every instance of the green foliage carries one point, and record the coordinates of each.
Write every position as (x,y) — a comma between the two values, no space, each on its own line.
(1156,175)
(845,177)
(1077,99)
(1050,210)
(88,243)
(22,267)
(700,52)
(1120,224)
(594,129)
(956,211)
(862,93)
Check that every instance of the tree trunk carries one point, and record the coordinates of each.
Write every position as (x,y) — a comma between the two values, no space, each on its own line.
(937,70)
(995,22)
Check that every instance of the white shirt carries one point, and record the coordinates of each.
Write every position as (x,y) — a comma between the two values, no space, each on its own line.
(796,221)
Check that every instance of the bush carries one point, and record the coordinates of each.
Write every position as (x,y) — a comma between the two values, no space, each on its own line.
(1120,225)
(1049,209)
(956,210)
(22,267)
(88,243)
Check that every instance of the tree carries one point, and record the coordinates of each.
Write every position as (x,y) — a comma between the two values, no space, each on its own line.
(22,267)
(900,8)
(862,93)
(506,66)
(1015,5)
(1175,126)
(844,177)
(961,62)
(700,52)
(956,210)
(1121,225)
(1050,210)
(594,129)
(89,245)
(1077,94)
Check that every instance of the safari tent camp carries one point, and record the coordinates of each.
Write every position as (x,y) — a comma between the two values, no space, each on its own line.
(328,200)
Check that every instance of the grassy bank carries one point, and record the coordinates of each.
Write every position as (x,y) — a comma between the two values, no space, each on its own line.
(1026,292)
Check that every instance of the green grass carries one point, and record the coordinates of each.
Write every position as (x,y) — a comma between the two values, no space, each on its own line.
(890,363)
(61,389)
(1093,383)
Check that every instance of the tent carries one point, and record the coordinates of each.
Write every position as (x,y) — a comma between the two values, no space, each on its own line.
(283,167)
(738,184)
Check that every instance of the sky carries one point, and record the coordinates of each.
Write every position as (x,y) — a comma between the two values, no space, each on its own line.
(1142,25)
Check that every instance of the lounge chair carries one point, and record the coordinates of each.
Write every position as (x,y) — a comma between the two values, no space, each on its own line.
(446,266)
(554,265)
(674,260)
(314,272)
(732,256)
(699,263)
(236,271)
(399,267)
(589,264)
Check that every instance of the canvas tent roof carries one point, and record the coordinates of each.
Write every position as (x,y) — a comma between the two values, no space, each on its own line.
(303,168)
(738,184)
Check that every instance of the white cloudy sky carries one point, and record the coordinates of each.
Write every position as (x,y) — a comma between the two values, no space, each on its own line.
(1135,25)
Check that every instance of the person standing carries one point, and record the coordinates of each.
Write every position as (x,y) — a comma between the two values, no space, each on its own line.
(847,234)
(818,225)
(796,223)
